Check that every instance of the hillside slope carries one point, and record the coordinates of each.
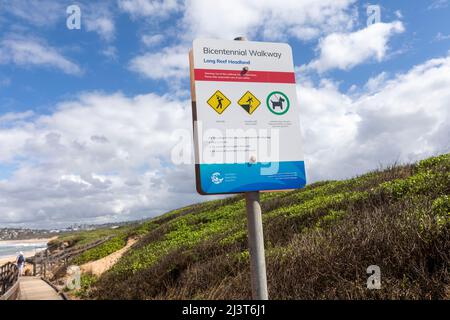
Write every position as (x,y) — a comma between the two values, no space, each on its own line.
(319,242)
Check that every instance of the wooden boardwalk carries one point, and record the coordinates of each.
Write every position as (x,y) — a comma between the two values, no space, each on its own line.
(34,288)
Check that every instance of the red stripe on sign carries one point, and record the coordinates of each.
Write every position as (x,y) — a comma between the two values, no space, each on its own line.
(239,76)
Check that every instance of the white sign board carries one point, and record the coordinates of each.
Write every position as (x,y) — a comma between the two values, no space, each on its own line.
(246,117)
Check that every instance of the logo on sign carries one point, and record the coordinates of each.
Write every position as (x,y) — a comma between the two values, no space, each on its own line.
(249,102)
(216,179)
(219,102)
(278,103)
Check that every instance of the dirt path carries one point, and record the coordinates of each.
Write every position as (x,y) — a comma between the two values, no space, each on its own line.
(102,265)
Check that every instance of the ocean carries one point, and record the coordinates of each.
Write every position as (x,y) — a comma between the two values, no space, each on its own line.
(13,248)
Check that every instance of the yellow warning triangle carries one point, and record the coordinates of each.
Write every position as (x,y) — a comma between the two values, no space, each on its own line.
(249,102)
(219,102)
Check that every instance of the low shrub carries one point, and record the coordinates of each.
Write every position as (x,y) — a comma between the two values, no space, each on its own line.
(319,242)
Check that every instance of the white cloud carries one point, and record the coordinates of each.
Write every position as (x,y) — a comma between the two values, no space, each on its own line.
(152,40)
(13,117)
(305,19)
(171,63)
(302,19)
(441,37)
(147,8)
(98,17)
(376,83)
(104,26)
(271,19)
(405,118)
(98,158)
(110,52)
(346,50)
(107,157)
(34,52)
(38,13)
(438,4)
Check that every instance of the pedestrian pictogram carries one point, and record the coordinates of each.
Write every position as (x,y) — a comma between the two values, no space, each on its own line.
(278,103)
(219,102)
(249,102)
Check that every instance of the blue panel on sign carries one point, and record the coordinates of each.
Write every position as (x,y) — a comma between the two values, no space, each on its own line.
(244,177)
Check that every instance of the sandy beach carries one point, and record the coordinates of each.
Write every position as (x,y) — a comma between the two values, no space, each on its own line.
(13,258)
(27,254)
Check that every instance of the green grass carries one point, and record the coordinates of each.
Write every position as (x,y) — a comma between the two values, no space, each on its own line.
(114,244)
(118,239)
(185,231)
(87,281)
(325,234)
(80,238)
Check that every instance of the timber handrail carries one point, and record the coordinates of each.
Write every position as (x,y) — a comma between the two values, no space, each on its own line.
(9,272)
(9,284)
(53,260)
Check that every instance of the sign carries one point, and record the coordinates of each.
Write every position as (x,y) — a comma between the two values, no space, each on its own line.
(219,102)
(278,100)
(246,117)
(249,102)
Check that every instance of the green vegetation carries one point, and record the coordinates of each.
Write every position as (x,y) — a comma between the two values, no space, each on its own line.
(80,238)
(117,239)
(103,250)
(319,242)
(87,281)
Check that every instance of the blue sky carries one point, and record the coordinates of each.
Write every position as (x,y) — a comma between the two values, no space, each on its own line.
(86,115)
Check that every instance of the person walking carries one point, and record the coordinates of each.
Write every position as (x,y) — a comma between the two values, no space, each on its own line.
(20,262)
(219,102)
(250,101)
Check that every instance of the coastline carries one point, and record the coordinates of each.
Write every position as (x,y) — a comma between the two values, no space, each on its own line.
(27,254)
(28,240)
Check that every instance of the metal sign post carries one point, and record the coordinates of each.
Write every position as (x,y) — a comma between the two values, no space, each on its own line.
(256,241)
(256,246)
(244,103)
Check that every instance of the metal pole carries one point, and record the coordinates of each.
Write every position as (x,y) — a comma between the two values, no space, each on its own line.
(256,241)
(256,246)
